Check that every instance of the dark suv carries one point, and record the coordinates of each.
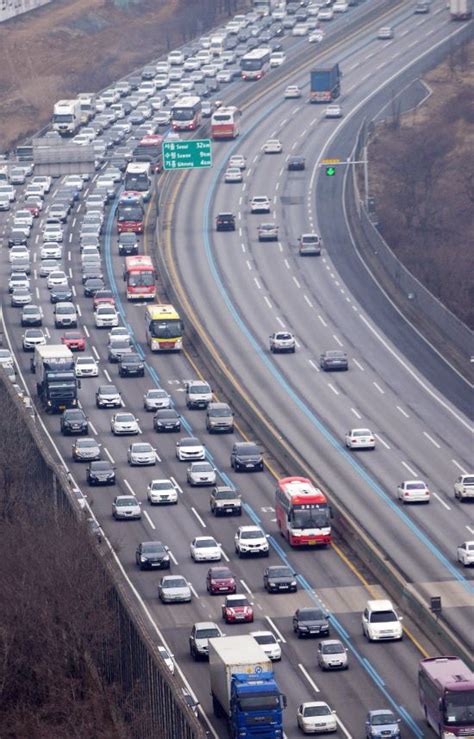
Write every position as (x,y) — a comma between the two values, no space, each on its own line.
(131,365)
(225,222)
(127,244)
(74,421)
(246,456)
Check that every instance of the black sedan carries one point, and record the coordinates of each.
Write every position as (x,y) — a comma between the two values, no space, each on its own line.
(61,294)
(167,419)
(93,285)
(246,456)
(101,472)
(225,222)
(119,349)
(152,555)
(310,622)
(278,579)
(74,421)
(131,365)
(296,164)
(333,360)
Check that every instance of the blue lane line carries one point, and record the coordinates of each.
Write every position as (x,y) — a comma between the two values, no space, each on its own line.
(314,419)
(374,673)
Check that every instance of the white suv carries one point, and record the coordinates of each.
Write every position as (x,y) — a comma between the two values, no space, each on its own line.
(198,394)
(251,540)
(260,204)
(381,622)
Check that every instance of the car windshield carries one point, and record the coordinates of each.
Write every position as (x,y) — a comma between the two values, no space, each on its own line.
(161,485)
(316,711)
(222,573)
(124,418)
(141,448)
(265,638)
(468,480)
(257,534)
(416,486)
(280,572)
(86,443)
(207,633)
(176,582)
(203,467)
(382,719)
(126,502)
(203,543)
(239,602)
(190,442)
(152,548)
(101,465)
(381,617)
(199,389)
(311,614)
(120,344)
(156,394)
(332,648)
(361,432)
(74,415)
(107,389)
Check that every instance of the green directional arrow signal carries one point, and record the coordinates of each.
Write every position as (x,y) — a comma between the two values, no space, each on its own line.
(330,171)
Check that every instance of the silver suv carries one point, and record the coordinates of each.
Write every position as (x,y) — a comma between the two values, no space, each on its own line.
(219,418)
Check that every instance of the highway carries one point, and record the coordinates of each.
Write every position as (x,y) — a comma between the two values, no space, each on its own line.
(420,429)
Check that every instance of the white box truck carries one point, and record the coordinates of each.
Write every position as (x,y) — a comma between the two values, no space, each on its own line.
(88,106)
(461,10)
(67,117)
(243,687)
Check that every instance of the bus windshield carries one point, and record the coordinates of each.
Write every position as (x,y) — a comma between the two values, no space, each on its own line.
(166,329)
(141,279)
(307,518)
(130,213)
(183,114)
(138,183)
(459,707)
(251,64)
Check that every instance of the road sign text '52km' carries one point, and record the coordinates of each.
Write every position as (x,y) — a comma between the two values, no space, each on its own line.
(187,154)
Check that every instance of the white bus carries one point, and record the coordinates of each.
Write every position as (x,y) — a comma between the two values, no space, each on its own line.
(225,123)
(255,64)
(186,113)
(138,179)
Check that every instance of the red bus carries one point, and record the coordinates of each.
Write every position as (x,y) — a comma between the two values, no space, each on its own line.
(149,149)
(130,213)
(446,690)
(225,123)
(302,512)
(140,277)
(186,113)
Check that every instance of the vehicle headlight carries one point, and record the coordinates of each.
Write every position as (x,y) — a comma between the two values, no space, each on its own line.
(293,583)
(166,559)
(143,559)
(448,735)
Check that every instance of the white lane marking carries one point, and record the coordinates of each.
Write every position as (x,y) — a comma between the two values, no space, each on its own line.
(308,301)
(308,678)
(277,632)
(35,273)
(70,237)
(145,513)
(244,186)
(157,456)
(358,364)
(86,331)
(356,414)
(246,587)
(73,290)
(404,413)
(322,321)
(410,469)
(109,379)
(296,281)
(267,300)
(46,332)
(132,491)
(334,389)
(242,246)
(248,264)
(78,309)
(433,441)
(173,558)
(176,486)
(381,390)
(460,468)
(384,443)
(314,366)
(255,158)
(191,587)
(248,173)
(37,293)
(69,255)
(438,497)
(70,272)
(94,430)
(240,200)
(109,455)
(74,222)
(418,379)
(286,263)
(95,352)
(470,529)
(198,517)
(337,339)
(255,279)
(282,323)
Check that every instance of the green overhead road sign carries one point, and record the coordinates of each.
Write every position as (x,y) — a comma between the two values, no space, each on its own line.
(192,154)
(330,171)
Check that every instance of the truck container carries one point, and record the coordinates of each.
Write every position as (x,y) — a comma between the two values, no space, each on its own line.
(67,117)
(88,106)
(218,44)
(244,689)
(56,382)
(461,10)
(325,83)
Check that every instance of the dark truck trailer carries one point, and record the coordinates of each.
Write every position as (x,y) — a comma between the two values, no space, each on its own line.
(325,83)
(56,382)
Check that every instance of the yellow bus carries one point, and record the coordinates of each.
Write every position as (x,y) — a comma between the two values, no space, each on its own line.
(164,328)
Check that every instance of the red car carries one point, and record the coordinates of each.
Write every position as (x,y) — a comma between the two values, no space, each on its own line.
(103,296)
(74,340)
(237,609)
(220,580)
(34,210)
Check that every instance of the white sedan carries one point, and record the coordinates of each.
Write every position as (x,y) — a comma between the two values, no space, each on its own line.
(465,553)
(464,487)
(315,37)
(272,146)
(86,366)
(233,174)
(292,91)
(238,160)
(413,491)
(124,423)
(190,449)
(200,474)
(162,491)
(360,439)
(58,278)
(51,250)
(316,717)
(205,549)
(141,453)
(106,316)
(333,111)
(269,643)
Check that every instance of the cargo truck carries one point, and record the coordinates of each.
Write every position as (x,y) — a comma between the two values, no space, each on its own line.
(244,689)
(56,382)
(461,10)
(325,83)
(67,117)
(87,105)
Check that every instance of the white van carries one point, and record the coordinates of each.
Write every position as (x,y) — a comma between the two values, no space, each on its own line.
(381,622)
